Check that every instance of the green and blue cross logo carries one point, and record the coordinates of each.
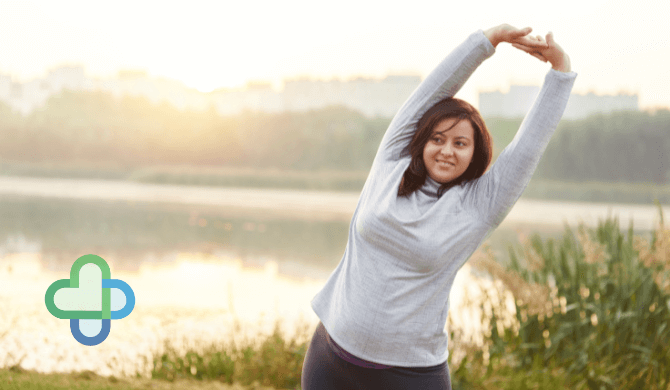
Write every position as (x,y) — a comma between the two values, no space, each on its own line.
(83,297)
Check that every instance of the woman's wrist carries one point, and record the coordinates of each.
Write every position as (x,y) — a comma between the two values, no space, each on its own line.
(492,35)
(563,66)
(561,69)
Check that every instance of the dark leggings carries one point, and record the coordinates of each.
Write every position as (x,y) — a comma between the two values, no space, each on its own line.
(327,366)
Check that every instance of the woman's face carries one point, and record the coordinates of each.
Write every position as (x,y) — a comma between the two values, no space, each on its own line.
(447,154)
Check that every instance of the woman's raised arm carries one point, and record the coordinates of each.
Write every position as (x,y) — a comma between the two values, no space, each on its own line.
(495,193)
(444,81)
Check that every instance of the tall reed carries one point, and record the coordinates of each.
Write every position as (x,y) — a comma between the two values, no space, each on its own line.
(596,303)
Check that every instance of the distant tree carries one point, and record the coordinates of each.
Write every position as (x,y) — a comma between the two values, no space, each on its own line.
(95,126)
(627,146)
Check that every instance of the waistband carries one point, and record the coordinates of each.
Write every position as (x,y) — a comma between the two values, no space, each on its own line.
(342,353)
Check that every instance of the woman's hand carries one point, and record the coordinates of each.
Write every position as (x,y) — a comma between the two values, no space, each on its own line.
(552,53)
(511,34)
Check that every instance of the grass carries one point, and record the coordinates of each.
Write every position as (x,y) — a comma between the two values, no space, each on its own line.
(266,364)
(273,361)
(15,378)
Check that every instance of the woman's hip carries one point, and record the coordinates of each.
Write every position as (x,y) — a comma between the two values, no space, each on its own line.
(324,369)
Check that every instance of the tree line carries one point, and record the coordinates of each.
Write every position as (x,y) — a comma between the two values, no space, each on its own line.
(131,131)
(626,146)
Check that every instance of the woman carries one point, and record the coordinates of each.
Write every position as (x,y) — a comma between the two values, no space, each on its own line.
(426,206)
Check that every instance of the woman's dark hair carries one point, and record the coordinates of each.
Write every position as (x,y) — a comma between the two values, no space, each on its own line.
(415,175)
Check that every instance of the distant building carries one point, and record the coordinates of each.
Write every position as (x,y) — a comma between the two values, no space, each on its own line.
(515,103)
(372,97)
(156,91)
(5,88)
(581,106)
(518,101)
(26,97)
(254,97)
(66,77)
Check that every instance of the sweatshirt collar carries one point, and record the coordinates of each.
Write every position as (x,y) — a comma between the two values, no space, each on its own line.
(430,187)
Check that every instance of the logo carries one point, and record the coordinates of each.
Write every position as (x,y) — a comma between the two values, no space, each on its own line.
(83,297)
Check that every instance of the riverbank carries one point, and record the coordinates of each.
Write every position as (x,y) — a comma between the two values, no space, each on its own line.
(309,205)
(327,181)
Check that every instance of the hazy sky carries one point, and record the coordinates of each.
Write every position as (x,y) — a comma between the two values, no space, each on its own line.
(614,46)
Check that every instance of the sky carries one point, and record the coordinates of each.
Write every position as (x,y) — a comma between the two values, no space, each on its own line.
(618,46)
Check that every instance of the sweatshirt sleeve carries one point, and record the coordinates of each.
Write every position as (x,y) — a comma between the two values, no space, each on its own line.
(444,81)
(495,192)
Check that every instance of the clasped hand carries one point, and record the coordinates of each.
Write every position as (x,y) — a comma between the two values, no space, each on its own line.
(545,51)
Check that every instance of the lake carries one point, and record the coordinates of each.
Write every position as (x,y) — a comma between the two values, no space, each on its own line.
(198,259)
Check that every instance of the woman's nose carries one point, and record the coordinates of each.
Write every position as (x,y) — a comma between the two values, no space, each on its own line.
(446,150)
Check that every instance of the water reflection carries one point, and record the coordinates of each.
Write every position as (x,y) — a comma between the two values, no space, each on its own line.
(196,299)
(130,234)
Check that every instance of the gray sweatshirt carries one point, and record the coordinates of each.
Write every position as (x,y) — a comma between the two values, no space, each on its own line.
(388,298)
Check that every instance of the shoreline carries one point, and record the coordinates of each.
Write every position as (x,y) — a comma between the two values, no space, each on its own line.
(306,204)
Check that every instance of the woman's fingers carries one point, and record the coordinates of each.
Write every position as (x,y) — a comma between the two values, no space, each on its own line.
(552,42)
(539,56)
(545,51)
(530,51)
(532,41)
(525,48)
(524,31)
